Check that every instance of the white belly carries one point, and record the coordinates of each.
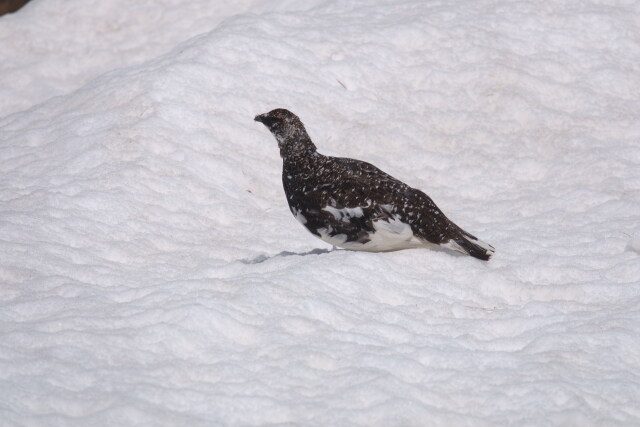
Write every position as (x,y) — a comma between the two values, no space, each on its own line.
(388,236)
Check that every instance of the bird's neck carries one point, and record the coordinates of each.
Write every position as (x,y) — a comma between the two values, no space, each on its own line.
(296,145)
(300,160)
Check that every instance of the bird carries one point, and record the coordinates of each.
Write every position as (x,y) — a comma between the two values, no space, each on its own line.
(353,205)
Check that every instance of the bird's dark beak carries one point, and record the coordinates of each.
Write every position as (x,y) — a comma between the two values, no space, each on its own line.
(265,120)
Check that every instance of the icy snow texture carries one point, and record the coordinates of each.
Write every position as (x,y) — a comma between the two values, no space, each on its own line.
(152,273)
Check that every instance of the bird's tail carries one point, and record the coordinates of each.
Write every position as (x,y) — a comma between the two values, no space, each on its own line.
(471,245)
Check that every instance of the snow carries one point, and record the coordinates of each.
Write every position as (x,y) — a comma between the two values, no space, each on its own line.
(152,273)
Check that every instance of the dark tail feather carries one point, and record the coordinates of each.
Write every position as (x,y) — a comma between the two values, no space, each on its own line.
(469,244)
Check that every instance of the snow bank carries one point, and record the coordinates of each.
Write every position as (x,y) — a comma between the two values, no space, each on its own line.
(151,271)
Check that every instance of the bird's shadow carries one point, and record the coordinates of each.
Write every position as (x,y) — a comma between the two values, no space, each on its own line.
(262,258)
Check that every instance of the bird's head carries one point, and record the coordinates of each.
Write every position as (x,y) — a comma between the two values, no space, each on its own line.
(288,130)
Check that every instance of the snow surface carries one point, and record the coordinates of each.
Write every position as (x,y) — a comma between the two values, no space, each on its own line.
(152,274)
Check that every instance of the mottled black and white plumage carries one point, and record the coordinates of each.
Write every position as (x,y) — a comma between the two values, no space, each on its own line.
(353,204)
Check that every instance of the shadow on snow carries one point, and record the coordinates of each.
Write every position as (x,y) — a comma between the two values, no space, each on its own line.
(263,258)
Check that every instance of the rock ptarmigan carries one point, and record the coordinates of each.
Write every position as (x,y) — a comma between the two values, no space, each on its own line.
(353,204)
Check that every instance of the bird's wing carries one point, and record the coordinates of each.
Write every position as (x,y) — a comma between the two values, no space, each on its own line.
(381,196)
(362,184)
(366,171)
(347,194)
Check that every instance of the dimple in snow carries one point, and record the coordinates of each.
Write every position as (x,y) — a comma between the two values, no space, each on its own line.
(354,205)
